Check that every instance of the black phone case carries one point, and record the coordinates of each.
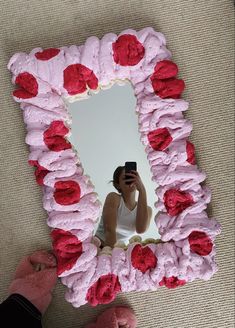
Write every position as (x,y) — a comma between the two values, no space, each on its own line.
(129,166)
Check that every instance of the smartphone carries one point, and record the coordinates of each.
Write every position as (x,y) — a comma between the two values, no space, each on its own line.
(128,167)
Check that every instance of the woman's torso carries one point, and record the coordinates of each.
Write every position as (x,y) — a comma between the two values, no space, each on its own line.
(126,223)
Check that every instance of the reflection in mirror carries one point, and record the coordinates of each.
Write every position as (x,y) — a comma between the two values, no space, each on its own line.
(105,135)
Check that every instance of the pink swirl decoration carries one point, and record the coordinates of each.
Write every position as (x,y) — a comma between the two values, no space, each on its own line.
(187,251)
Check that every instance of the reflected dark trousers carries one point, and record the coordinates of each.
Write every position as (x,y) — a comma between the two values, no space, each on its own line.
(17,312)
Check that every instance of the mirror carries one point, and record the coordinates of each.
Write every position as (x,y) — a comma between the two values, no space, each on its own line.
(105,135)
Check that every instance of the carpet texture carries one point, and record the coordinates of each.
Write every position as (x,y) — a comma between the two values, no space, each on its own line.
(200,34)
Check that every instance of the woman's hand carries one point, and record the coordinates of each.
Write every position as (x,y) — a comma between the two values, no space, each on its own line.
(135,180)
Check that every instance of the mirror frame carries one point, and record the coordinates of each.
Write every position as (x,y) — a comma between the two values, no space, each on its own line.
(48,79)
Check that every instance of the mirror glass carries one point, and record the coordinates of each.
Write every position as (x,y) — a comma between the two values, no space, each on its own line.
(105,135)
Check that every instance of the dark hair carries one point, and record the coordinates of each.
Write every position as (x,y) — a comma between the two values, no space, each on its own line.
(116,176)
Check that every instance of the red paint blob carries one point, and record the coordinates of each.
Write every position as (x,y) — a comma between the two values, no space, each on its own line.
(127,50)
(67,248)
(159,139)
(176,201)
(47,54)
(190,149)
(104,290)
(172,282)
(77,77)
(54,136)
(40,171)
(67,192)
(200,243)
(142,258)
(28,86)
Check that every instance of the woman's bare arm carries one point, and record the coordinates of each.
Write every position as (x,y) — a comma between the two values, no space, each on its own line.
(110,218)
(144,212)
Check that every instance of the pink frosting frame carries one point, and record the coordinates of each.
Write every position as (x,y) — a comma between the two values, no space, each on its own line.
(42,97)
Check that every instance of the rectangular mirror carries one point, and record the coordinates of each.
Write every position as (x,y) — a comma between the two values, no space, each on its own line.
(105,134)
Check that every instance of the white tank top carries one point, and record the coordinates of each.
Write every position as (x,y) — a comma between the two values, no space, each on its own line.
(126,223)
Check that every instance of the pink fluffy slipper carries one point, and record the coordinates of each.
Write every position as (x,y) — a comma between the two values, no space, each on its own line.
(115,317)
(35,278)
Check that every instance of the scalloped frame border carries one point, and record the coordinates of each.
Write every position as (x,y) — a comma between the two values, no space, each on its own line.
(48,79)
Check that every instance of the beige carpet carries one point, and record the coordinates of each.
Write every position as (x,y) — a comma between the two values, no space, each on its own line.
(200,35)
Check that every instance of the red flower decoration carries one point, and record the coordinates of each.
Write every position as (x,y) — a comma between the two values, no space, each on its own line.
(40,171)
(142,258)
(104,290)
(164,83)
(176,201)
(28,86)
(159,139)
(47,54)
(169,88)
(127,50)
(77,77)
(164,69)
(67,248)
(200,243)
(190,149)
(172,282)
(67,192)
(54,136)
